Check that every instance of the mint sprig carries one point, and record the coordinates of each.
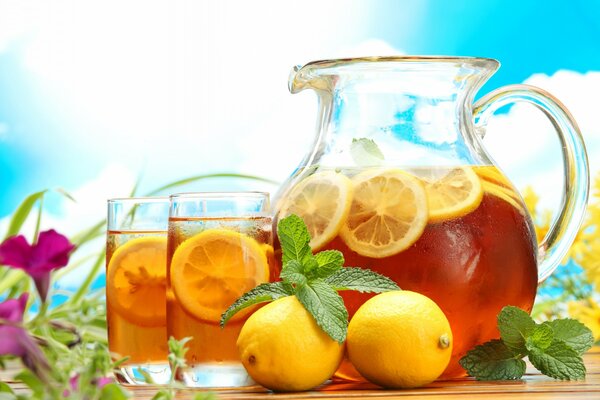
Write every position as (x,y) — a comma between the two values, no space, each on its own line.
(314,280)
(553,347)
(365,152)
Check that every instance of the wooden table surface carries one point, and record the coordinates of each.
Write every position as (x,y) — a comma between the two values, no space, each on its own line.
(533,386)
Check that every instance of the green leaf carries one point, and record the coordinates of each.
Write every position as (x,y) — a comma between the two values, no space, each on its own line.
(365,152)
(573,333)
(4,388)
(31,381)
(327,308)
(205,396)
(22,212)
(360,279)
(540,338)
(112,391)
(8,396)
(208,176)
(293,273)
(515,325)
(328,262)
(493,361)
(294,239)
(260,294)
(163,394)
(558,361)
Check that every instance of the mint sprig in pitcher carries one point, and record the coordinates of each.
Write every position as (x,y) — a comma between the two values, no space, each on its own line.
(399,180)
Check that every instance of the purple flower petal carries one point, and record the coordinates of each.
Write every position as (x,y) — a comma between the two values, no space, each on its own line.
(50,252)
(12,309)
(11,341)
(74,382)
(101,382)
(15,252)
(14,339)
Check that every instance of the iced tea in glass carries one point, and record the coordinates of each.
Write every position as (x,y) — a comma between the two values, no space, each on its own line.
(219,247)
(136,249)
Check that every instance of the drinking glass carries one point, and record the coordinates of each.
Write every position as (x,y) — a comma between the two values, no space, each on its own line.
(220,245)
(136,248)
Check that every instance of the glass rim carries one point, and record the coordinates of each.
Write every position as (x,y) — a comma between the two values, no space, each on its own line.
(219,195)
(401,58)
(141,199)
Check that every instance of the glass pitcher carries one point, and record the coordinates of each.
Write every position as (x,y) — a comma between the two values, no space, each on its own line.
(399,181)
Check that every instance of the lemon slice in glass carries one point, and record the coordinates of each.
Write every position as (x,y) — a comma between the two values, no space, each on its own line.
(211,269)
(136,281)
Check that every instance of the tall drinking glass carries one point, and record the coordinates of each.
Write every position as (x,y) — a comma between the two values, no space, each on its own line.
(220,246)
(136,252)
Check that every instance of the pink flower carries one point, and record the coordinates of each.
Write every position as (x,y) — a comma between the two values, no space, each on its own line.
(51,251)
(14,339)
(74,383)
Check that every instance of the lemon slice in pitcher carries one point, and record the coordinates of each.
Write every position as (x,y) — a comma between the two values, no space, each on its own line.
(453,193)
(322,200)
(387,215)
(210,270)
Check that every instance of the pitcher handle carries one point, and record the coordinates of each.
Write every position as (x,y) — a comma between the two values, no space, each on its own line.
(566,224)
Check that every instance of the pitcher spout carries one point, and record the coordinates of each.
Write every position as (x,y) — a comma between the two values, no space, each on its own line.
(323,75)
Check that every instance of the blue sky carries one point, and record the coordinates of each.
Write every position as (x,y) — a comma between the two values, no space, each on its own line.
(91,98)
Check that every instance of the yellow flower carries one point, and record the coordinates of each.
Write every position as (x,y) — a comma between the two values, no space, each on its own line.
(588,313)
(531,200)
(590,261)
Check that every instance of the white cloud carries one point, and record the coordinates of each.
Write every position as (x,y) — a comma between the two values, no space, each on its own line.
(525,145)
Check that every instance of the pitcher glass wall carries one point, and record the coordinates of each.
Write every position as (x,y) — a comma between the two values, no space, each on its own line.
(400,182)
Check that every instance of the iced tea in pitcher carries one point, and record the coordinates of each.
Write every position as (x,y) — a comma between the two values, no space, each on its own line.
(459,235)
(399,180)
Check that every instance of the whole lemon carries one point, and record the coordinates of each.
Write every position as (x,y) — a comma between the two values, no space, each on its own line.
(283,348)
(399,339)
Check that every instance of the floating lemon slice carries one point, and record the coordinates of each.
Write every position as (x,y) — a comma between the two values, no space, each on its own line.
(210,270)
(136,281)
(388,213)
(497,184)
(322,200)
(454,194)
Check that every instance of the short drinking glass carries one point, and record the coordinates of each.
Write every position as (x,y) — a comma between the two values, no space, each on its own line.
(220,246)
(136,253)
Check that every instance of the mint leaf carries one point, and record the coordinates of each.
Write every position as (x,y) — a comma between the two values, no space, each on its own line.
(541,338)
(260,294)
(360,279)
(515,325)
(310,265)
(493,361)
(294,239)
(293,273)
(365,152)
(328,261)
(558,361)
(573,333)
(327,308)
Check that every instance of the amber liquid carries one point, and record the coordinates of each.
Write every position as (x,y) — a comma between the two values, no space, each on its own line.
(142,344)
(211,344)
(471,266)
